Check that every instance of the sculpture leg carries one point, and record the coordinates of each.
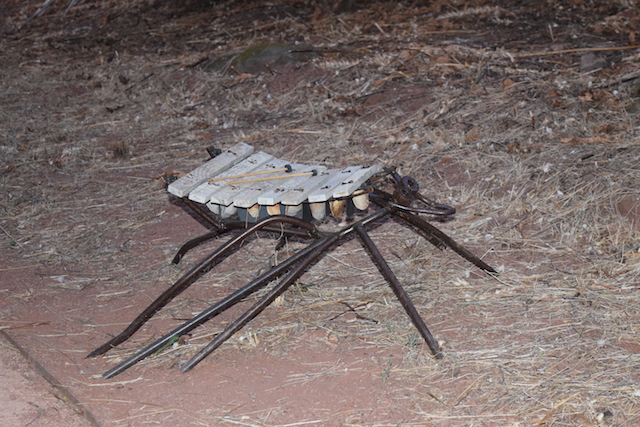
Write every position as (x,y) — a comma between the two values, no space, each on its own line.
(197,241)
(322,246)
(191,276)
(214,310)
(263,303)
(421,224)
(401,294)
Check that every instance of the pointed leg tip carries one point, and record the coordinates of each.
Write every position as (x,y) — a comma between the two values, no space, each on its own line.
(97,352)
(187,367)
(101,350)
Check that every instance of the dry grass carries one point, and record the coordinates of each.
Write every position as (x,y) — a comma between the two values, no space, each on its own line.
(540,159)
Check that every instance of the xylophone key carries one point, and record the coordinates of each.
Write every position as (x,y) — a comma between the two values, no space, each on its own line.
(205,191)
(300,193)
(227,194)
(350,184)
(245,195)
(256,185)
(215,166)
(279,192)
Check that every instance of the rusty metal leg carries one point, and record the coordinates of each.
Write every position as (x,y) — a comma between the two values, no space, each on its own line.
(401,294)
(277,290)
(421,224)
(192,275)
(215,309)
(263,303)
(381,198)
(197,241)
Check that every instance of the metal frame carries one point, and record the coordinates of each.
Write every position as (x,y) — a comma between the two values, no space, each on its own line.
(405,204)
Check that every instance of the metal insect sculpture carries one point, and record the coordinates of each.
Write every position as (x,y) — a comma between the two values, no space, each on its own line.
(269,194)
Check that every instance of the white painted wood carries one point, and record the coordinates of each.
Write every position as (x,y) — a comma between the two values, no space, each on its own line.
(246,195)
(300,193)
(225,196)
(326,191)
(278,191)
(204,192)
(218,164)
(351,184)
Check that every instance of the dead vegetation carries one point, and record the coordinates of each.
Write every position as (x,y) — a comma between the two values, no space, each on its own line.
(524,117)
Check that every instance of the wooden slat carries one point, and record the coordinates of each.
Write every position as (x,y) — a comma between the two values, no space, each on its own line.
(274,191)
(351,184)
(344,177)
(204,192)
(226,195)
(300,193)
(278,192)
(218,164)
(247,194)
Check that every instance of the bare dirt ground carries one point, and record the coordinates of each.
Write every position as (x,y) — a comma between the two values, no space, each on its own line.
(523,116)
